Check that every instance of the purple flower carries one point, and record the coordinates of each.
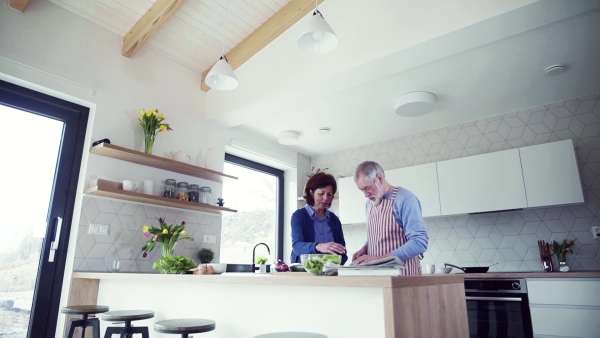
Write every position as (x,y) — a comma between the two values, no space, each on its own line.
(160,220)
(182,222)
(145,254)
(146,234)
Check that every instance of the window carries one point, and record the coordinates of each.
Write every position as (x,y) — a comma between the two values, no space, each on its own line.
(257,196)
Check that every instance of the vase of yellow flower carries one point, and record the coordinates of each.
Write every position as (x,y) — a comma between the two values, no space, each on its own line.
(167,235)
(561,250)
(152,124)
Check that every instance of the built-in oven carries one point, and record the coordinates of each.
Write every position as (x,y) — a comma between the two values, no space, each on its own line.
(498,308)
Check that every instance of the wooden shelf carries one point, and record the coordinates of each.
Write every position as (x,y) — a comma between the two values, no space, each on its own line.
(154,161)
(115,190)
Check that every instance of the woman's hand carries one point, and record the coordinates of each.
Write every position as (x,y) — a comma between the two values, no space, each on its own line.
(361,252)
(331,247)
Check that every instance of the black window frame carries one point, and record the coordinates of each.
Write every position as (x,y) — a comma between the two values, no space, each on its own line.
(279,174)
(50,276)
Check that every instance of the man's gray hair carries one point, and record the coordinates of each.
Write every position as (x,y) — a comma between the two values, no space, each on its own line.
(369,169)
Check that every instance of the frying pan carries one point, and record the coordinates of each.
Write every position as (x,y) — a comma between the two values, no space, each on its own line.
(471,269)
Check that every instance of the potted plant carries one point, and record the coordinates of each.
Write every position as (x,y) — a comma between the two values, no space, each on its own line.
(205,255)
(261,262)
(561,250)
(174,264)
(166,234)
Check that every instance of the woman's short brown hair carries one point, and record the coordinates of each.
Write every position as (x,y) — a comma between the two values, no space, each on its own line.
(317,181)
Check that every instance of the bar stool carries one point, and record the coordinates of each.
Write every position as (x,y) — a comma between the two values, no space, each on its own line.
(291,335)
(184,326)
(84,322)
(127,316)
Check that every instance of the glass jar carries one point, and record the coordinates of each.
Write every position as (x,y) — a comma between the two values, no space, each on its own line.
(169,188)
(182,191)
(194,193)
(205,195)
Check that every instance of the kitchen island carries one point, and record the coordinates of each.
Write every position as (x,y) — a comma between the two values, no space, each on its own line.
(245,304)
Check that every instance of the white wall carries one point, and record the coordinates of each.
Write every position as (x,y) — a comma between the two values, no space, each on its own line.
(51,50)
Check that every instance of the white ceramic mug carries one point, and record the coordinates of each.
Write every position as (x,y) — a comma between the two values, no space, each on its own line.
(148,186)
(429,268)
(129,185)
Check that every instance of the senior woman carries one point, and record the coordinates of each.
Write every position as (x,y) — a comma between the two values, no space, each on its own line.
(314,228)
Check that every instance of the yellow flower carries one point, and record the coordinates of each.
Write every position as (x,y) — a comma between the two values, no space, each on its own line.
(161,116)
(142,112)
(165,231)
(184,232)
(145,228)
(148,113)
(162,128)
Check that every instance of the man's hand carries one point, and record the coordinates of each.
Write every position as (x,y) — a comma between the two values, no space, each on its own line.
(361,252)
(331,247)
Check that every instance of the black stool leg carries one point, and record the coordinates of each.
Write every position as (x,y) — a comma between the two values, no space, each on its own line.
(142,330)
(95,324)
(72,325)
(112,330)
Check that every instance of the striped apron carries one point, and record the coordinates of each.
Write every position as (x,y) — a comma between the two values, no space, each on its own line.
(384,234)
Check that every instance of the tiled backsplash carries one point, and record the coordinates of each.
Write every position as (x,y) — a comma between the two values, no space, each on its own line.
(509,238)
(125,239)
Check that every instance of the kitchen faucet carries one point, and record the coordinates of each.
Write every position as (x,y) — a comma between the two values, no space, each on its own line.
(254,268)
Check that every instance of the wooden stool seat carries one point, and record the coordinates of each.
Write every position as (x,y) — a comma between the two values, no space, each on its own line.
(184,326)
(127,316)
(291,335)
(84,311)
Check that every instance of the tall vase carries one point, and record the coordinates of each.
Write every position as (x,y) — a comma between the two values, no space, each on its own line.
(562,263)
(167,250)
(148,143)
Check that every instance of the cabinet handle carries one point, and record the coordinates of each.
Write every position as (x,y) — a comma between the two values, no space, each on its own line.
(54,243)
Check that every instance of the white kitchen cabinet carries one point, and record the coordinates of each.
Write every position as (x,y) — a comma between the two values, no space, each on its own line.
(564,307)
(481,183)
(352,202)
(550,174)
(422,181)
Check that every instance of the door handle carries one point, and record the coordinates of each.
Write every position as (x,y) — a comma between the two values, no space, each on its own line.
(54,243)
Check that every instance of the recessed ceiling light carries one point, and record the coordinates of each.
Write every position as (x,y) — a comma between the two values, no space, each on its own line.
(415,104)
(324,130)
(555,69)
(289,138)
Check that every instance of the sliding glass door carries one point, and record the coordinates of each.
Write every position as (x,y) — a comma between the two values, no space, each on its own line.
(42,142)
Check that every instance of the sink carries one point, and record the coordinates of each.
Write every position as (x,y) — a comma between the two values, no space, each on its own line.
(241,268)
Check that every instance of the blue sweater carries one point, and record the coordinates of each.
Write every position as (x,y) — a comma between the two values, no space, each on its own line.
(303,234)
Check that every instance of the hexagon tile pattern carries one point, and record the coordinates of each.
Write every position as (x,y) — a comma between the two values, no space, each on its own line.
(507,238)
(125,239)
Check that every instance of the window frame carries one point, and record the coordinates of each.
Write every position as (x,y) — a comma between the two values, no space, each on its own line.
(280,194)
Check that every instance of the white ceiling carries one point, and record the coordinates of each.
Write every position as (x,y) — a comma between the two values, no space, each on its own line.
(479,57)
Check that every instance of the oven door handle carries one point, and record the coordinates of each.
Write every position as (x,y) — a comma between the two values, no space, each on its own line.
(503,299)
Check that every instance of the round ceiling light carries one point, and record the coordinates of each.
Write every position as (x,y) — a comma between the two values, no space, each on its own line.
(289,138)
(555,69)
(415,104)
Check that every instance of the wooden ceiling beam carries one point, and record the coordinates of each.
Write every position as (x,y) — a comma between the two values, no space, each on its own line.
(148,25)
(265,34)
(18,4)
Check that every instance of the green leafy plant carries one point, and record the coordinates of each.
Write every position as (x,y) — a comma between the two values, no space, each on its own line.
(174,264)
(205,255)
(561,250)
(261,260)
(165,234)
(152,124)
(312,171)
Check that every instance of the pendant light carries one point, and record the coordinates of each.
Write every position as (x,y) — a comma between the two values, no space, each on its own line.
(317,37)
(221,75)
